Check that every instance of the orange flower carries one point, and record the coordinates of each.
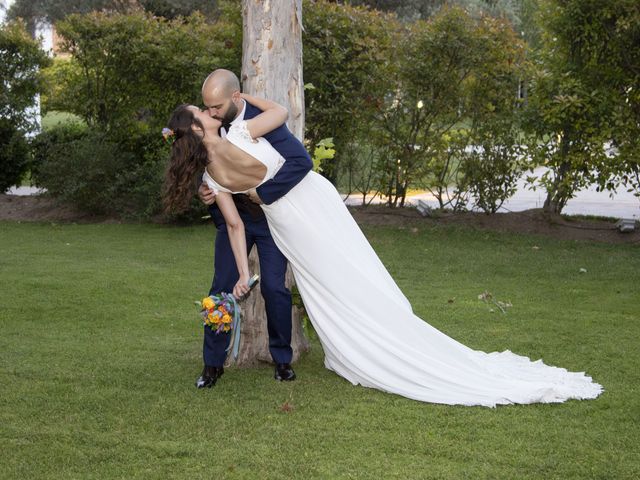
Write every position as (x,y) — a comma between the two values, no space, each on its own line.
(208,303)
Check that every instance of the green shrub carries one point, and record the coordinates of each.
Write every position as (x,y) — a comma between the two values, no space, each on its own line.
(78,166)
(14,155)
(124,78)
(491,168)
(99,174)
(138,185)
(60,134)
(127,72)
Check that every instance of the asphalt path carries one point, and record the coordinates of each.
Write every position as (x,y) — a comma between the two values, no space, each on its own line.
(587,202)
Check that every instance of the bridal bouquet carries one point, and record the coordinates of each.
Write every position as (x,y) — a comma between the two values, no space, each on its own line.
(221,313)
(218,311)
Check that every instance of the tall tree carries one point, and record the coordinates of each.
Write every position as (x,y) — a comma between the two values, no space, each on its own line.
(272,68)
(603,39)
(347,53)
(53,10)
(20,61)
(405,9)
(33,11)
(272,55)
(584,97)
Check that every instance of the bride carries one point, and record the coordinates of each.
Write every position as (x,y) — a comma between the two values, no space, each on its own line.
(369,333)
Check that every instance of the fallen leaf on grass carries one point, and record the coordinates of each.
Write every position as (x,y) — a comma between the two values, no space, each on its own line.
(286,407)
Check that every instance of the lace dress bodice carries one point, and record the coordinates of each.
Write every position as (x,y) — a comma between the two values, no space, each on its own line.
(259,148)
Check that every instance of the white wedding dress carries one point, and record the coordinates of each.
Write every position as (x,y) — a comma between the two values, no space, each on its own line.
(369,333)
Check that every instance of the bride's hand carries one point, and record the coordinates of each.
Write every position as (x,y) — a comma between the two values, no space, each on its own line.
(241,288)
(247,97)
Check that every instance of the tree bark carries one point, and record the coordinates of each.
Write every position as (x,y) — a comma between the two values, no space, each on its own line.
(272,55)
(271,68)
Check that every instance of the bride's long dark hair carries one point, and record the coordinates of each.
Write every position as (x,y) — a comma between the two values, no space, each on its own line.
(188,159)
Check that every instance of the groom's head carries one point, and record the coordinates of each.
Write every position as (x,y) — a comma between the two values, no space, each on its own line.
(221,95)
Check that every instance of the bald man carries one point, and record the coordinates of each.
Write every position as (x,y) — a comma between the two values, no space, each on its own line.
(221,97)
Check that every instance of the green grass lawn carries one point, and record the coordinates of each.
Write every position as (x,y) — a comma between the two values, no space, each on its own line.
(54,118)
(100,345)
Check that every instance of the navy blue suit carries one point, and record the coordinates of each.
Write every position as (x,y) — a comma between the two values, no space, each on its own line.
(273,265)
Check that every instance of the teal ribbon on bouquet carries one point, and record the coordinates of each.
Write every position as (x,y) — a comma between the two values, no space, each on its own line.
(234,344)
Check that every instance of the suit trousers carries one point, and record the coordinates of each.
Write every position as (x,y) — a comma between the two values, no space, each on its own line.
(277,298)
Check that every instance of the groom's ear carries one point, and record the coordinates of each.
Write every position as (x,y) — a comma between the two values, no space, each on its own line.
(235,96)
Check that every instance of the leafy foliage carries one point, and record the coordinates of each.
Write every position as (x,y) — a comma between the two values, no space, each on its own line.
(436,104)
(411,10)
(567,136)
(20,60)
(405,9)
(601,41)
(322,152)
(583,109)
(493,159)
(492,167)
(129,71)
(55,10)
(347,54)
(89,169)
(82,170)
(126,73)
(14,155)
(453,70)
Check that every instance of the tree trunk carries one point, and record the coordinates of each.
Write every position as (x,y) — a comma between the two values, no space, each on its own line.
(272,68)
(272,55)
(558,194)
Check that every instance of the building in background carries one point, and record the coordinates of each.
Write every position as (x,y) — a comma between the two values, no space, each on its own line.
(4,6)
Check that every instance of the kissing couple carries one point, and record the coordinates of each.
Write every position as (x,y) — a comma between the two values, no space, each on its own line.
(258,181)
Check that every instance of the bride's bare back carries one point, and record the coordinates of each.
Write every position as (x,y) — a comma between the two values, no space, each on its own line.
(233,168)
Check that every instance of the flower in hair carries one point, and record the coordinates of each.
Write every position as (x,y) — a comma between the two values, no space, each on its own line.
(168,135)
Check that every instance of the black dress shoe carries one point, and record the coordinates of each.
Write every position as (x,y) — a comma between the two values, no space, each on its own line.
(284,372)
(209,377)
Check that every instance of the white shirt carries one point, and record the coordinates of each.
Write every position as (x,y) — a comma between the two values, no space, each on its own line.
(239,118)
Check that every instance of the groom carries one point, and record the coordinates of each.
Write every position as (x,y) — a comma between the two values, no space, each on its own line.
(221,97)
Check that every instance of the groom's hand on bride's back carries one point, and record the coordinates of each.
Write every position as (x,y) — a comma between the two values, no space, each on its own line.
(254,197)
(206,195)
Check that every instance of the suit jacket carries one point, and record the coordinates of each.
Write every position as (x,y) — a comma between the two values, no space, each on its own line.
(298,163)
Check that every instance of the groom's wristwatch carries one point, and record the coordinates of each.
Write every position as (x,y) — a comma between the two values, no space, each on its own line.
(252,283)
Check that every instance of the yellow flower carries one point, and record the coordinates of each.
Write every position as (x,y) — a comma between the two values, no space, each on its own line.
(226,319)
(207,303)
(226,328)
